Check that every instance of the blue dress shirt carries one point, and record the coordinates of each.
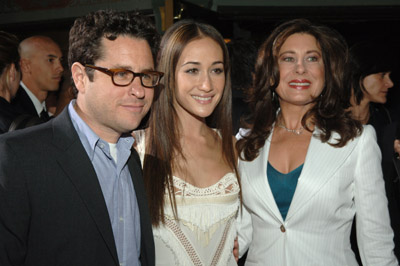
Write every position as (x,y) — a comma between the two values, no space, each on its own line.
(117,187)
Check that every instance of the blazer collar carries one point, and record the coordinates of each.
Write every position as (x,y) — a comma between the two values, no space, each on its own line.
(321,163)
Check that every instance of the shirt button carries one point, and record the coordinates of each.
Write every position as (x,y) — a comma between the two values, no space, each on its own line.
(121,219)
(101,145)
(283,229)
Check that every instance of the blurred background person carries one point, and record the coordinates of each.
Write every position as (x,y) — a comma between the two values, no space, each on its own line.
(189,168)
(9,79)
(41,66)
(370,68)
(242,56)
(307,167)
(56,101)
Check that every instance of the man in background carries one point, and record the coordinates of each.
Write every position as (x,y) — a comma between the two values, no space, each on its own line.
(41,67)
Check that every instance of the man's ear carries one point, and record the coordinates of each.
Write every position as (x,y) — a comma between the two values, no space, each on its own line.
(79,76)
(25,65)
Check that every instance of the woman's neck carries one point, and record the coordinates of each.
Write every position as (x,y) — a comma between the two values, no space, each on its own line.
(360,111)
(190,125)
(291,116)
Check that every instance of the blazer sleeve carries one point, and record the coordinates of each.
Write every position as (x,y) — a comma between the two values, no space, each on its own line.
(245,230)
(374,234)
(14,208)
(244,223)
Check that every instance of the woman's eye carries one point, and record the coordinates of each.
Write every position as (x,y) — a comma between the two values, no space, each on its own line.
(312,59)
(288,59)
(384,74)
(192,71)
(218,70)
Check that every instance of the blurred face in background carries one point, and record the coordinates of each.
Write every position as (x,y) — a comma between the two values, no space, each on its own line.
(41,64)
(377,86)
(46,66)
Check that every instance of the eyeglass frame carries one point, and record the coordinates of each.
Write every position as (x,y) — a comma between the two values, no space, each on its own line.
(111,71)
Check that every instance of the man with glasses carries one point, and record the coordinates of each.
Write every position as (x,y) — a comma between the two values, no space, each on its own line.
(71,190)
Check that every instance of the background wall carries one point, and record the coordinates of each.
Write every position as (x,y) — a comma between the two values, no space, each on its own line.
(356,20)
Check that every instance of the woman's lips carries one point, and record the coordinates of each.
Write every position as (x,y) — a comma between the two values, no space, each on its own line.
(202,99)
(300,84)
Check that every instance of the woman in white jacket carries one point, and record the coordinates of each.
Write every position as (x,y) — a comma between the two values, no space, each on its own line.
(307,168)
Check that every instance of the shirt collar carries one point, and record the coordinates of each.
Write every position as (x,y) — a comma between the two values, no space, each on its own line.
(89,138)
(39,106)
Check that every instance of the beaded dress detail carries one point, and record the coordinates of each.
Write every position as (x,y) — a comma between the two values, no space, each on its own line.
(206,229)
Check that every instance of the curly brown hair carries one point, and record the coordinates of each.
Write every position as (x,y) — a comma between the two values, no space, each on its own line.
(329,112)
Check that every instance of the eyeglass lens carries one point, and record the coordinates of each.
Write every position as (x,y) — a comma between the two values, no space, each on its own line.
(126,77)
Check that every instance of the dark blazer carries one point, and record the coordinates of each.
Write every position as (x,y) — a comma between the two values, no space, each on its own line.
(392,181)
(23,103)
(52,209)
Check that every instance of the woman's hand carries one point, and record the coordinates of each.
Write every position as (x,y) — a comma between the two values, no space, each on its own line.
(236,249)
(397,148)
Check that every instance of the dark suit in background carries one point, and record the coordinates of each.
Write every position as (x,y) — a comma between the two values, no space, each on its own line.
(23,103)
(51,201)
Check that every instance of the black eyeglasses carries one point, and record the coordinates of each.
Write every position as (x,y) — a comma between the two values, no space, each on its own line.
(124,77)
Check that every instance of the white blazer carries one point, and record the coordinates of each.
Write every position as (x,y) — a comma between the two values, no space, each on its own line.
(335,184)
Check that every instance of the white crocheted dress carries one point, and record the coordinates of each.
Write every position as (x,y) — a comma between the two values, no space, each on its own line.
(205,232)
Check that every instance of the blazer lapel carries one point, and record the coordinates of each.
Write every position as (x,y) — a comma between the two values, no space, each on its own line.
(257,176)
(147,252)
(321,163)
(79,169)
(24,103)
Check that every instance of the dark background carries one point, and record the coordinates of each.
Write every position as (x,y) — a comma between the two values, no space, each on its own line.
(356,23)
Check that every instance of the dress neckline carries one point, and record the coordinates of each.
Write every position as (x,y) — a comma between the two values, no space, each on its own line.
(299,168)
(221,180)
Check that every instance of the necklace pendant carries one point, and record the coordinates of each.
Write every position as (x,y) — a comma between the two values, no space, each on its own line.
(297,132)
(294,131)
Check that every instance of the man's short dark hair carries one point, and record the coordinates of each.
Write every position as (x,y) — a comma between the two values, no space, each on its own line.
(87,32)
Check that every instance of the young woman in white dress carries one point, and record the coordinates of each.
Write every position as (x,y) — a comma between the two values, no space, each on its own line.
(189,162)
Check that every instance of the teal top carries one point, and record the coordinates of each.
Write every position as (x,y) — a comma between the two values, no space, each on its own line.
(283,187)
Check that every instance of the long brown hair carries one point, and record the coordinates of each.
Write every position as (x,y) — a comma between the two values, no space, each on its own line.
(162,139)
(329,112)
